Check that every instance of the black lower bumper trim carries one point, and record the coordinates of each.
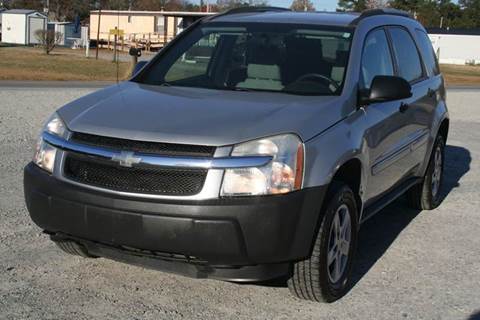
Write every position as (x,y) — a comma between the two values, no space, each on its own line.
(193,269)
(238,232)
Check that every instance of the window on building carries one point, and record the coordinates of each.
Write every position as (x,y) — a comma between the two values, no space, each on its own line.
(159,24)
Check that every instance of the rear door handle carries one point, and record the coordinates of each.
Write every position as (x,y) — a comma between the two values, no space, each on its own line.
(403,107)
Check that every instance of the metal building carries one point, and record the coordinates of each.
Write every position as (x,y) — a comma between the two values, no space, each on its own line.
(19,26)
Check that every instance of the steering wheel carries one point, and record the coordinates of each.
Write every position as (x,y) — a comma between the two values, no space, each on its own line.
(317,76)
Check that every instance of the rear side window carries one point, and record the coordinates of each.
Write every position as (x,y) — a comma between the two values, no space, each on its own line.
(406,53)
(427,53)
(376,58)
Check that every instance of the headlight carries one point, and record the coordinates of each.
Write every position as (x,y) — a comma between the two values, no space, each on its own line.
(283,174)
(55,125)
(45,153)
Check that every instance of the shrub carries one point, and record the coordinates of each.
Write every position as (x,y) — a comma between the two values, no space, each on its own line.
(49,39)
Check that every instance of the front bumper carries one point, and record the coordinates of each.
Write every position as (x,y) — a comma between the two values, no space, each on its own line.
(251,238)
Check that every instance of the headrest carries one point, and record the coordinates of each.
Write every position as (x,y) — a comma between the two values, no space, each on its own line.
(305,47)
(263,71)
(264,49)
(342,57)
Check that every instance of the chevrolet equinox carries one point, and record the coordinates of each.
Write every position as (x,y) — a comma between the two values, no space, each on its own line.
(252,147)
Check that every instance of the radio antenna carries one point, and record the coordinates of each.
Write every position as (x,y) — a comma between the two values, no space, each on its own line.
(117,37)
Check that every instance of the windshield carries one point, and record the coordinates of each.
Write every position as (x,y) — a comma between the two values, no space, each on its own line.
(256,57)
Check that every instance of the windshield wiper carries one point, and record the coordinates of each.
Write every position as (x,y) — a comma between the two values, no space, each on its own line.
(304,93)
(237,89)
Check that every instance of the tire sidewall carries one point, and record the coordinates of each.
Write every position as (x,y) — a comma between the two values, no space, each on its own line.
(427,187)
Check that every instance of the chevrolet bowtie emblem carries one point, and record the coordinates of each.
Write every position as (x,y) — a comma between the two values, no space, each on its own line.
(126,158)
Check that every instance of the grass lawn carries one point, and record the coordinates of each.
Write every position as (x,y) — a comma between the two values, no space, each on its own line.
(25,63)
(461,75)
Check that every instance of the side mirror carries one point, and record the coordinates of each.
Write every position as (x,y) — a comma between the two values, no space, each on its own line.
(386,88)
(138,67)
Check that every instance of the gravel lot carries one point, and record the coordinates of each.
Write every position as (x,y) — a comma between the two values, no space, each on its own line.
(410,265)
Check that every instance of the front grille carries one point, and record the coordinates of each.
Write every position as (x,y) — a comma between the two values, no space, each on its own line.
(138,179)
(159,148)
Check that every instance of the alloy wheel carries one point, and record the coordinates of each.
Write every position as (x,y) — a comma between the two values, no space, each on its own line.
(339,243)
(437,171)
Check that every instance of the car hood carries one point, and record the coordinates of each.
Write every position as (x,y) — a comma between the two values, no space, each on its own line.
(198,116)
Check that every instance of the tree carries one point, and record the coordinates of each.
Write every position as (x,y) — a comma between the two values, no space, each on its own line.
(449,14)
(351,5)
(442,12)
(49,39)
(157,5)
(302,5)
(24,4)
(375,4)
(223,5)
(471,13)
(67,10)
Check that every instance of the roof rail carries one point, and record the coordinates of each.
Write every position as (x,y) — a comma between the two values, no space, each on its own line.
(255,9)
(384,11)
(245,10)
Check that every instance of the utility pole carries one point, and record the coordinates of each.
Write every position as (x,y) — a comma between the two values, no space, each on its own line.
(46,9)
(98,32)
(115,37)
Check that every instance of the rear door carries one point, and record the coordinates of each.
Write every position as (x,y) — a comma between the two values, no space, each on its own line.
(393,131)
(419,108)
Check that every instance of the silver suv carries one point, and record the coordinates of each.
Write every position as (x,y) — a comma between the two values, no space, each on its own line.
(252,147)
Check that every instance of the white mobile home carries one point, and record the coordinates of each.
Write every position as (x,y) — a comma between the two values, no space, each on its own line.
(19,26)
(153,27)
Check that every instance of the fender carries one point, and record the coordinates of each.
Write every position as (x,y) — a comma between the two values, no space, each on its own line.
(440,115)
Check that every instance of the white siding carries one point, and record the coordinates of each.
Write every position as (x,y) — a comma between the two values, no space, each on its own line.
(14,28)
(456,49)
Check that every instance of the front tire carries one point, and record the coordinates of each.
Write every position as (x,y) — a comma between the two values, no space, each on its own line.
(427,194)
(73,248)
(326,275)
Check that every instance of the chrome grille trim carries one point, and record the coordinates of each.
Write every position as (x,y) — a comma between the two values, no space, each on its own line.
(162,161)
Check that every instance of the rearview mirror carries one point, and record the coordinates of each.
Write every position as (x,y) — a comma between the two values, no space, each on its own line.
(386,88)
(138,67)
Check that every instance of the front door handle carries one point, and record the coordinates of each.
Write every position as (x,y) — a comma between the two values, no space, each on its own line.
(431,92)
(403,107)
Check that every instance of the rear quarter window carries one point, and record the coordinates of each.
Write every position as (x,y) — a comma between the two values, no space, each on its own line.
(425,46)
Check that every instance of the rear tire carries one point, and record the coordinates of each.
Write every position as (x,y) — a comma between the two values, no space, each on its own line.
(427,194)
(326,275)
(73,248)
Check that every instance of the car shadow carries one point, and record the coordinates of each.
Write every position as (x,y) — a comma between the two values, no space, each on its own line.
(379,232)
